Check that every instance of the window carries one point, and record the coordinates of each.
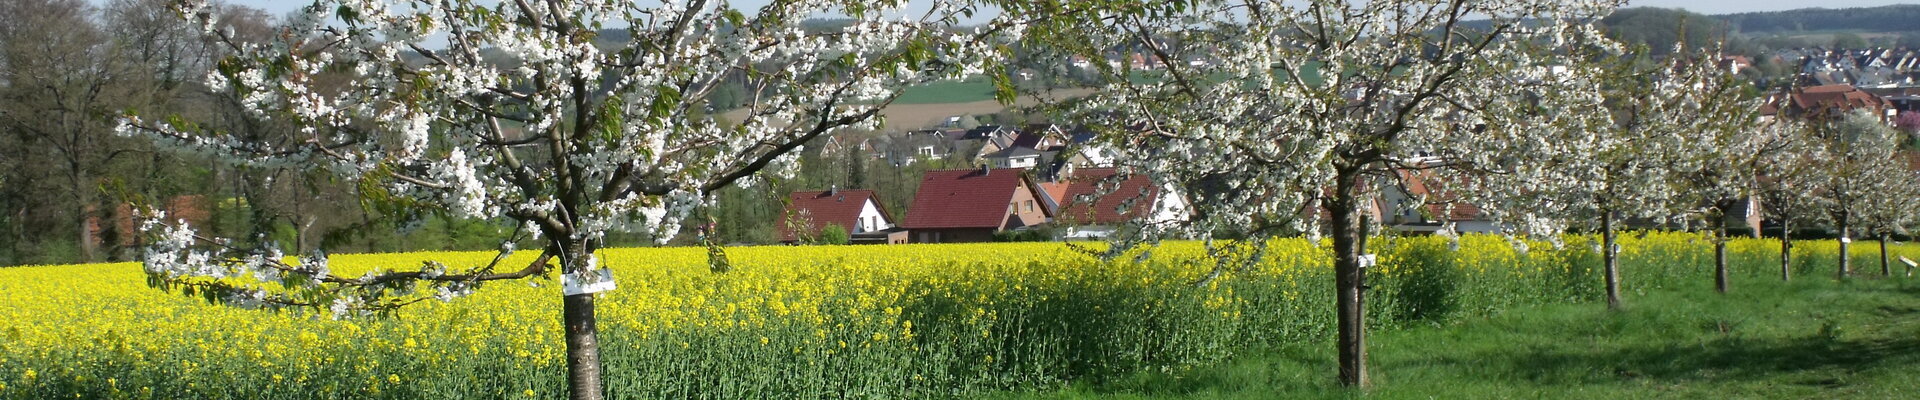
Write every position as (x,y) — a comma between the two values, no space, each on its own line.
(1013,207)
(1029,205)
(926,151)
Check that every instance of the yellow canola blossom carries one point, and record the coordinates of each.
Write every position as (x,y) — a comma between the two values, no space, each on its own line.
(870,321)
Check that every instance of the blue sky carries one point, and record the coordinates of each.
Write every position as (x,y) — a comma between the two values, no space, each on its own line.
(281,7)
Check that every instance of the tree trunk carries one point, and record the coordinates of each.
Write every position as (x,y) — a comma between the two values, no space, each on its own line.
(1720,258)
(86,232)
(1610,254)
(1846,240)
(82,200)
(1348,281)
(583,341)
(1786,251)
(1884,269)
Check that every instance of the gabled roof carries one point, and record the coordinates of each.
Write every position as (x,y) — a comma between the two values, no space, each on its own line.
(1032,136)
(1816,99)
(1055,191)
(965,198)
(1081,206)
(1027,139)
(823,208)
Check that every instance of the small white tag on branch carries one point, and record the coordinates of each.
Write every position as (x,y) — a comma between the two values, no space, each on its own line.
(600,280)
(1369,260)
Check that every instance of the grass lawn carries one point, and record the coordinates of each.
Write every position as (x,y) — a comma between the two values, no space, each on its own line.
(1813,338)
(946,92)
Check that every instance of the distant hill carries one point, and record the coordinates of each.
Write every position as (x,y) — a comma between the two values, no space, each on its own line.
(1760,32)
(1895,18)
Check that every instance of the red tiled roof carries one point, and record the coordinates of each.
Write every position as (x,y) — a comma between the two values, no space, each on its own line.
(824,208)
(1079,205)
(1449,207)
(1056,191)
(1816,99)
(964,198)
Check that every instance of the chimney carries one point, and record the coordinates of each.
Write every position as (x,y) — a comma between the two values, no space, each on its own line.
(986,170)
(833,190)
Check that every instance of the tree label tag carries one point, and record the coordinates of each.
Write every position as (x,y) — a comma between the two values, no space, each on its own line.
(600,281)
(1369,260)
(1844,239)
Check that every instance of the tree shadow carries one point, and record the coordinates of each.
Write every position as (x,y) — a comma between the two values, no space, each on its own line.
(1728,357)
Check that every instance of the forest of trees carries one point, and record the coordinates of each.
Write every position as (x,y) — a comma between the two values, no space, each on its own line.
(69,68)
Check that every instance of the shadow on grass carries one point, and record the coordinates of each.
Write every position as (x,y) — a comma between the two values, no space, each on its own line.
(1726,359)
(1753,339)
(1803,339)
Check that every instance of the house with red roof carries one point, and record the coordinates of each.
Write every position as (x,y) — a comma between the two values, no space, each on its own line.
(1827,101)
(971,205)
(857,211)
(1419,203)
(1094,201)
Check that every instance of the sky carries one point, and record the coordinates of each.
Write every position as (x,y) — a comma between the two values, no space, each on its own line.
(282,7)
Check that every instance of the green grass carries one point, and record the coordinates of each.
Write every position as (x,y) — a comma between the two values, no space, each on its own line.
(1813,338)
(949,92)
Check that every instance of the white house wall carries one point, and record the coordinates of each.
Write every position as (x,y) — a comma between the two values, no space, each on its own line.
(1170,207)
(871,212)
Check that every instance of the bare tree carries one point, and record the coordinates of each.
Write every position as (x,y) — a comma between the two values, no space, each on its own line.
(65,78)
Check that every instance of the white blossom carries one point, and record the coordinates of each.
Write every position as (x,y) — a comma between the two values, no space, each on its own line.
(569,137)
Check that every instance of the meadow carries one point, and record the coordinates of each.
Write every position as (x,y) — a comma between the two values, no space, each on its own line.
(908,321)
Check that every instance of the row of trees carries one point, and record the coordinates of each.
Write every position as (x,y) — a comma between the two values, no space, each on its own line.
(1545,126)
(70,68)
(1302,113)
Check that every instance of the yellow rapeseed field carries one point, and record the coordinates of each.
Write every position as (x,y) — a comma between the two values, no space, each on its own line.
(808,322)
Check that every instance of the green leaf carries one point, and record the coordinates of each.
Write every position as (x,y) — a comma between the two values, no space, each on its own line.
(1003,89)
(347,14)
(734,17)
(665,99)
